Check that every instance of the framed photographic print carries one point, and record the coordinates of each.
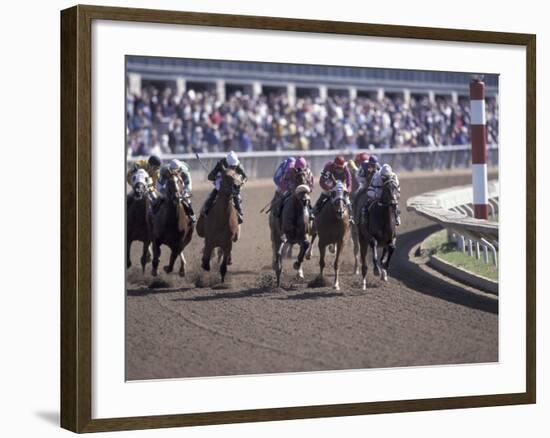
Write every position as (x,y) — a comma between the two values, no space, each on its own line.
(268,219)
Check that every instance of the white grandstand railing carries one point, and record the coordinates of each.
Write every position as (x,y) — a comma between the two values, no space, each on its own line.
(262,164)
(323,152)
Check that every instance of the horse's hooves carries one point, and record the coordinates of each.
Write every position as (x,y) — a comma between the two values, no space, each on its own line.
(336,287)
(167,269)
(296,265)
(206,266)
(154,273)
(182,273)
(384,275)
(308,256)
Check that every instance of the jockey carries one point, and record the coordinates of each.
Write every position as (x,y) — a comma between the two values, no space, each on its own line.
(366,172)
(180,168)
(374,192)
(140,176)
(288,181)
(281,171)
(334,171)
(151,166)
(355,164)
(231,161)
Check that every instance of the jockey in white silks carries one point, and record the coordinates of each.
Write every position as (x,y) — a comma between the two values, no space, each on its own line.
(374,192)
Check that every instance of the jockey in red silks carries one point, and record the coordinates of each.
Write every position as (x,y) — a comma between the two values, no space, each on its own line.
(334,171)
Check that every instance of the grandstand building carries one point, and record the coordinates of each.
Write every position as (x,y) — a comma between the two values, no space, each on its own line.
(298,80)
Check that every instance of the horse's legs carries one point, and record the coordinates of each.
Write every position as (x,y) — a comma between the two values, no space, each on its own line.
(322,250)
(128,261)
(175,250)
(339,247)
(304,246)
(386,263)
(355,240)
(277,262)
(144,255)
(156,256)
(310,250)
(183,262)
(374,246)
(364,267)
(226,256)
(206,254)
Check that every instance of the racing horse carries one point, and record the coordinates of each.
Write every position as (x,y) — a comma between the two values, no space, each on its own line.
(171,226)
(379,231)
(220,229)
(332,228)
(137,218)
(359,201)
(291,227)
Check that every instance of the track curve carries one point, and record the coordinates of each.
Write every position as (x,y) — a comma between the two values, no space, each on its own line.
(250,327)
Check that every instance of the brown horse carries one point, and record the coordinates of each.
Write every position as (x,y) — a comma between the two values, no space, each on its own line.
(293,227)
(220,229)
(379,231)
(359,201)
(332,225)
(137,222)
(171,226)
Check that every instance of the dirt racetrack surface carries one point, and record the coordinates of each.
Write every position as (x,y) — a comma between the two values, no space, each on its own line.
(194,326)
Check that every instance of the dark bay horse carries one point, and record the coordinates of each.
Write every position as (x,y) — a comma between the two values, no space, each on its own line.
(379,232)
(171,226)
(293,227)
(137,221)
(220,229)
(332,227)
(359,201)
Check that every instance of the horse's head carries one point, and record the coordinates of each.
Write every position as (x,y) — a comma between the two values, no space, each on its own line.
(174,189)
(390,193)
(300,177)
(139,184)
(231,182)
(337,197)
(301,193)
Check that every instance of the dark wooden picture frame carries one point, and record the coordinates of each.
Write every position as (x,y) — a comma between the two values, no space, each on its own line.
(76,218)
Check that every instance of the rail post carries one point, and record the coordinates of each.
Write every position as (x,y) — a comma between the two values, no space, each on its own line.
(479,148)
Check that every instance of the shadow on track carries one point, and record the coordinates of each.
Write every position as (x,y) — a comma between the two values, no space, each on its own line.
(247,293)
(312,296)
(415,278)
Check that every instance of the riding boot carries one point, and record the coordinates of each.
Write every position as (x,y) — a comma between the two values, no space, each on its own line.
(155,204)
(365,214)
(190,212)
(237,204)
(209,201)
(350,212)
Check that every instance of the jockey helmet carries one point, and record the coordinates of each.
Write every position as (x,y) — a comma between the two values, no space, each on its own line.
(340,161)
(154,161)
(232,159)
(373,160)
(361,157)
(174,165)
(386,171)
(300,163)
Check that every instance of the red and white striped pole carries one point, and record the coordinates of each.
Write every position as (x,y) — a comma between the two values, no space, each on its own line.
(479,149)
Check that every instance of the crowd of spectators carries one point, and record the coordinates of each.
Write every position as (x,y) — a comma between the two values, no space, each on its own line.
(162,121)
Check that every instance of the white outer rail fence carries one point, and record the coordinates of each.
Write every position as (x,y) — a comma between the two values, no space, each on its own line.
(262,164)
(452,208)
